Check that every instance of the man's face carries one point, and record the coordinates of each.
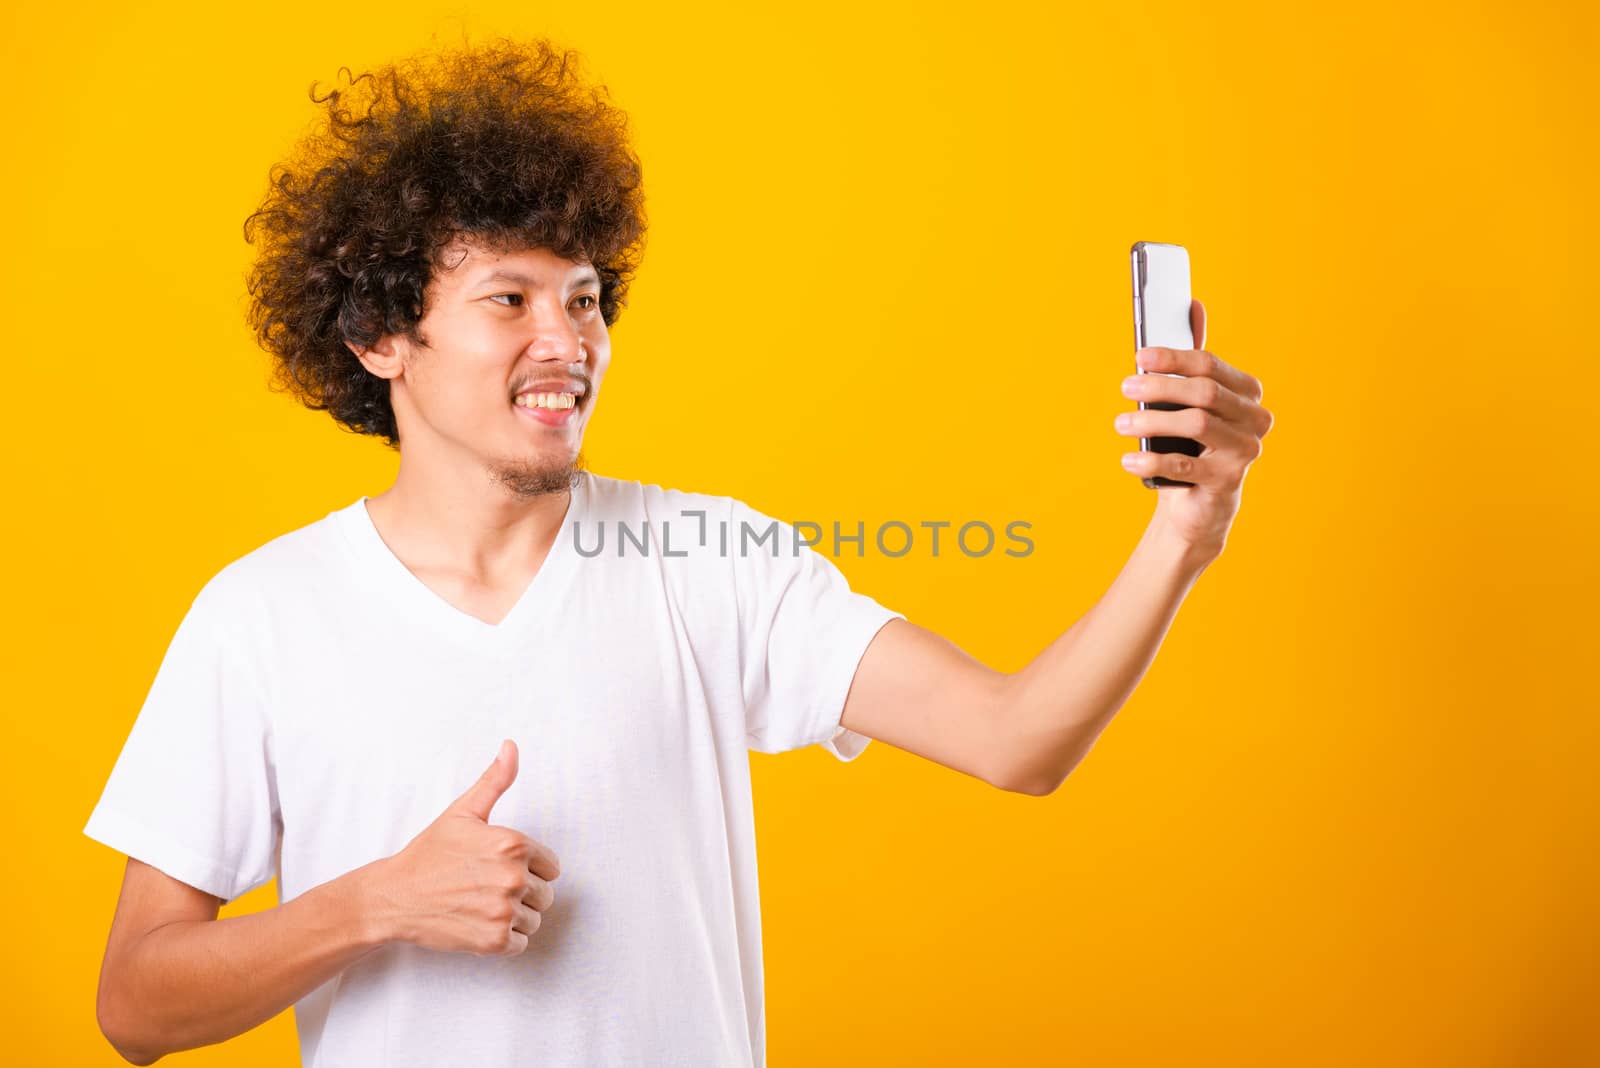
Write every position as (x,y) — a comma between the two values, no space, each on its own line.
(515,352)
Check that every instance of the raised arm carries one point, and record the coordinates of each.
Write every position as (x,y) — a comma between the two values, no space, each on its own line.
(1026,731)
(1023,732)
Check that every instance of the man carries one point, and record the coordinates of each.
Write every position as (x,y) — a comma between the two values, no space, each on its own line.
(439,269)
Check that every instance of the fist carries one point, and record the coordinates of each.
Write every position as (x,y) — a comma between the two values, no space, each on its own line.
(463,885)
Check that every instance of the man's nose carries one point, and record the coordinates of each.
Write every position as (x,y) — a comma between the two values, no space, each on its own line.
(558,343)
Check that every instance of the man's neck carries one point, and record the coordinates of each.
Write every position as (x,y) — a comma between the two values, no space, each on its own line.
(470,527)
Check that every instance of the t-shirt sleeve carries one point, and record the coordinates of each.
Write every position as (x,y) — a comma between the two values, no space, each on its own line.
(194,791)
(802,634)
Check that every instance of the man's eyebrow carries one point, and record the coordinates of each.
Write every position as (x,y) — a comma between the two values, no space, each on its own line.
(504,275)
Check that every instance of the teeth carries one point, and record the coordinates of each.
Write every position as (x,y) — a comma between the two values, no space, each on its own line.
(547,400)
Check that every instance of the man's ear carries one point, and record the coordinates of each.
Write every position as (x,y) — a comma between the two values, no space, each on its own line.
(382,358)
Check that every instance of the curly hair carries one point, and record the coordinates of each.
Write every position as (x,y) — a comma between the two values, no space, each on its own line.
(500,143)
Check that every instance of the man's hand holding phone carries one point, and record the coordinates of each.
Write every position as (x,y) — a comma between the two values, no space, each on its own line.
(1221,410)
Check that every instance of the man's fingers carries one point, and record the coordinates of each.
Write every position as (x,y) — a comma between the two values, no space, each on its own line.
(1197,424)
(1207,393)
(527,920)
(542,862)
(480,797)
(1174,465)
(539,894)
(1199,362)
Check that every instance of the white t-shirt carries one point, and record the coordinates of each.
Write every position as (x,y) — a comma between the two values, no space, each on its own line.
(319,705)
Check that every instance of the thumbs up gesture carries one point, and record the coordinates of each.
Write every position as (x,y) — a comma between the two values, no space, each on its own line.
(463,885)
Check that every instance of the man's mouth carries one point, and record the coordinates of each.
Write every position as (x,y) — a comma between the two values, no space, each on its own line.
(546,400)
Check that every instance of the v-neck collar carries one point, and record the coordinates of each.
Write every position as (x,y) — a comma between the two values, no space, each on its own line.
(407,590)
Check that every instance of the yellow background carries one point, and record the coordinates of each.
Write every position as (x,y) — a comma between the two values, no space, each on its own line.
(1348,818)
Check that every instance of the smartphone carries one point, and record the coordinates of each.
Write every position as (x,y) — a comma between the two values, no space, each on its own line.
(1161,317)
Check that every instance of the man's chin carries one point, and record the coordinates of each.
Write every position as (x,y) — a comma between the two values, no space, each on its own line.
(537,476)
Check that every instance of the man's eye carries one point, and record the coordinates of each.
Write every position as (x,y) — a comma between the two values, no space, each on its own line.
(518,298)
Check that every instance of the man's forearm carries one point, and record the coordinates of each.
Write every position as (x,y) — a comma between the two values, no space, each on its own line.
(1061,702)
(194,983)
